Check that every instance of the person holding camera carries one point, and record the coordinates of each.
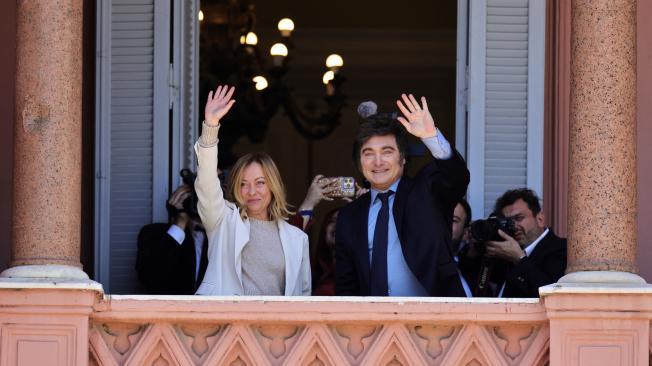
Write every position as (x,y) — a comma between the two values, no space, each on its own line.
(388,239)
(530,258)
(172,258)
(252,250)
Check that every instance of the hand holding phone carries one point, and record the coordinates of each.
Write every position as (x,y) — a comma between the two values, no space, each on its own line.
(340,186)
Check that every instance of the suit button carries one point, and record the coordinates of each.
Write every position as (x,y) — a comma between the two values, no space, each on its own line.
(520,278)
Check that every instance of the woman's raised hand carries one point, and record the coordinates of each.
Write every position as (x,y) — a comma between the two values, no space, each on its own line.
(218,104)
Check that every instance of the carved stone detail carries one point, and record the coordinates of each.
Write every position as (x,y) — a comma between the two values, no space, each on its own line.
(355,334)
(394,356)
(200,333)
(238,362)
(238,345)
(314,343)
(318,343)
(122,333)
(394,362)
(394,346)
(513,336)
(435,336)
(316,362)
(160,361)
(473,356)
(156,353)
(278,335)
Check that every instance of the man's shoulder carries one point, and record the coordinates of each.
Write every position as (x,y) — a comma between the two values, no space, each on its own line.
(154,228)
(552,240)
(550,244)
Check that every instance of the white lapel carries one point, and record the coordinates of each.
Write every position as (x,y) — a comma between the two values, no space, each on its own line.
(241,239)
(292,254)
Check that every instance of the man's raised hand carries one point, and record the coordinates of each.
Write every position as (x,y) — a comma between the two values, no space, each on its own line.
(218,104)
(416,120)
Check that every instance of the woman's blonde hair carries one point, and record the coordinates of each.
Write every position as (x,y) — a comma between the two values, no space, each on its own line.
(278,208)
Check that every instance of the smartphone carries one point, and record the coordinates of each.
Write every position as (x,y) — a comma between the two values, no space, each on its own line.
(345,186)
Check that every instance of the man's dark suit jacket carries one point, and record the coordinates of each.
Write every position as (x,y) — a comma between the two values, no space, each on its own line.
(165,267)
(545,265)
(423,211)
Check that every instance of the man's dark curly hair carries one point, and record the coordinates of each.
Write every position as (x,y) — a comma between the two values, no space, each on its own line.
(513,195)
(380,125)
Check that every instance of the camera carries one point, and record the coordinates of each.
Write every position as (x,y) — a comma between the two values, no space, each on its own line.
(189,205)
(345,186)
(483,231)
(487,230)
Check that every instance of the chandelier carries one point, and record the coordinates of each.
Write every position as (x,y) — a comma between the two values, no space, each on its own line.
(229,53)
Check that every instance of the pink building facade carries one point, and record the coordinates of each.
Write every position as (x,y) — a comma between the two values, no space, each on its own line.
(597,97)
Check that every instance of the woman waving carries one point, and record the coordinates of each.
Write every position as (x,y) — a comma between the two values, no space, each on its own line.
(252,250)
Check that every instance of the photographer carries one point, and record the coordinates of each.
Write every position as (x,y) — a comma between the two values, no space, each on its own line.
(534,256)
(172,257)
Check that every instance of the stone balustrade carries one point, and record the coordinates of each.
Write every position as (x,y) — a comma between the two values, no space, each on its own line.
(65,323)
(187,330)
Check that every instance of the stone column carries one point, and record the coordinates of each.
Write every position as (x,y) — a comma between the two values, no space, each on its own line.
(602,167)
(47,152)
(598,311)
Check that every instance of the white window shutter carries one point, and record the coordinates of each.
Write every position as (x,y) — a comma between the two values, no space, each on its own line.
(184,86)
(132,138)
(505,126)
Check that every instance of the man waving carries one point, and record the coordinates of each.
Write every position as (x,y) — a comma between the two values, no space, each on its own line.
(394,240)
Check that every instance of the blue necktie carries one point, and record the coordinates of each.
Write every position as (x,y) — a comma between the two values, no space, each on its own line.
(378,286)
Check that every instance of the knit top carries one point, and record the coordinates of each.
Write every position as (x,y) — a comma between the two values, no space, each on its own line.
(263,261)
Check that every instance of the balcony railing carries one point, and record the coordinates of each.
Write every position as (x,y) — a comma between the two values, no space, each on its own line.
(66,323)
(189,330)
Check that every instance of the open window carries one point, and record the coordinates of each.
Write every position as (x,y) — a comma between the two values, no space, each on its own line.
(501,96)
(489,102)
(145,123)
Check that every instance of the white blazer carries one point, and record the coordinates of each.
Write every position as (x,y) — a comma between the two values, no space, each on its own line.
(228,234)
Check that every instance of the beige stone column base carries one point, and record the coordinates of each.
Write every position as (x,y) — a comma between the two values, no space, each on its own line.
(46,321)
(49,271)
(592,277)
(598,323)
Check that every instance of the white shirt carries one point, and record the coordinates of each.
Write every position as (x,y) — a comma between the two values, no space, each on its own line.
(400,279)
(465,285)
(198,238)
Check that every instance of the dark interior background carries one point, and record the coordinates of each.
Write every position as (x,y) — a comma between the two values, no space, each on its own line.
(388,48)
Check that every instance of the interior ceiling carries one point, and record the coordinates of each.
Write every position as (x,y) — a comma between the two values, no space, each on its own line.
(415,14)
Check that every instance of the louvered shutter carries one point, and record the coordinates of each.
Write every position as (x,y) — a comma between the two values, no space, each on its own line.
(505,127)
(132,125)
(184,88)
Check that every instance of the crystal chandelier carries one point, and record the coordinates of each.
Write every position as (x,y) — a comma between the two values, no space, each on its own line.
(229,53)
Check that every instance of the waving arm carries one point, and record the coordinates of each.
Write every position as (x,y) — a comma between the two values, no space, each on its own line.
(211,202)
(448,173)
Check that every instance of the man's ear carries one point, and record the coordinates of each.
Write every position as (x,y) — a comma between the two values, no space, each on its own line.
(541,219)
